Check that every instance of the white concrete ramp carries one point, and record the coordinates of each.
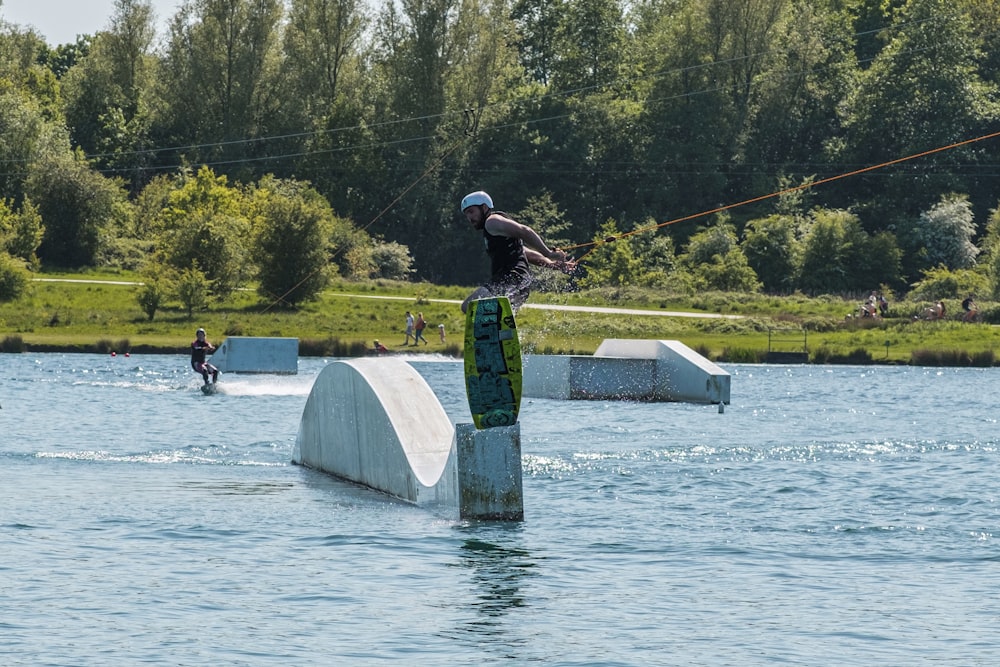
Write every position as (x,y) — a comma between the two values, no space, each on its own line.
(252,354)
(624,369)
(378,423)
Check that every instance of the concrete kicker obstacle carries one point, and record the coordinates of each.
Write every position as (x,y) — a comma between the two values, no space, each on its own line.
(378,423)
(623,369)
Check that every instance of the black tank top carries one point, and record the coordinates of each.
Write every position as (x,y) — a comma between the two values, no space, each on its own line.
(506,253)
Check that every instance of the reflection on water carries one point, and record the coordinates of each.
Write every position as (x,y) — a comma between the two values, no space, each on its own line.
(499,568)
(499,572)
(239,488)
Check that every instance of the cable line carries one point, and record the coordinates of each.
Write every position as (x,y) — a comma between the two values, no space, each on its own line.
(610,239)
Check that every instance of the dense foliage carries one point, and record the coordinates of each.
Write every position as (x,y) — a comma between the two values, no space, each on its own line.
(288,141)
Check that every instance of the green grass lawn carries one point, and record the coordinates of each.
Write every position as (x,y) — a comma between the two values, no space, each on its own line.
(349,316)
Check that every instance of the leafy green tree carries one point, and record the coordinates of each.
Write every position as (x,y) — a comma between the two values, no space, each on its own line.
(23,57)
(839,257)
(76,204)
(193,289)
(943,283)
(880,262)
(730,273)
(799,71)
(542,214)
(21,231)
(392,260)
(158,283)
(358,261)
(206,225)
(14,278)
(922,91)
(412,50)
(742,36)
(322,43)
(612,264)
(770,246)
(150,203)
(24,136)
(109,92)
(291,246)
(444,65)
(989,259)
(719,239)
(219,75)
(64,57)
(686,118)
(945,233)
(590,42)
(717,262)
(537,24)
(657,253)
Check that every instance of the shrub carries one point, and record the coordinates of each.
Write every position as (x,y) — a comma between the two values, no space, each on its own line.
(742,355)
(156,288)
(14,279)
(825,355)
(12,344)
(925,357)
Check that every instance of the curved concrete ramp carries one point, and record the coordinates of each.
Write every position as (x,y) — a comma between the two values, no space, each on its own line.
(377,422)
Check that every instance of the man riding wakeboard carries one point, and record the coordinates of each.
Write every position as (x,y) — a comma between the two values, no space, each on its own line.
(199,348)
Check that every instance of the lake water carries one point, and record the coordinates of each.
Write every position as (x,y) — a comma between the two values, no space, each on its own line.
(830,516)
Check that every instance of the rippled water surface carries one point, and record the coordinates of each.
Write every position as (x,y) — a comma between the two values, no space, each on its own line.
(830,516)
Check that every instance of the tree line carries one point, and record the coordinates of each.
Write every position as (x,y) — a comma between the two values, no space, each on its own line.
(283,142)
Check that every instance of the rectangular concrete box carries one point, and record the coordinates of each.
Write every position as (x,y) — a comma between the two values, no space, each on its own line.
(682,374)
(621,369)
(489,472)
(250,354)
(580,377)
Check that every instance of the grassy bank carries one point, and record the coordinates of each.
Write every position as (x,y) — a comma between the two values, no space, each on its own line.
(104,316)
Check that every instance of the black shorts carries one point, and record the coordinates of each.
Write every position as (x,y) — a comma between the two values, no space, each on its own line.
(514,286)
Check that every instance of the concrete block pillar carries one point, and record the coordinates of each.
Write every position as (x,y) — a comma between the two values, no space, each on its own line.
(489,472)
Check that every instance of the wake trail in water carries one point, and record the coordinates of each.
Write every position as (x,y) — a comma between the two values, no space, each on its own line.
(291,385)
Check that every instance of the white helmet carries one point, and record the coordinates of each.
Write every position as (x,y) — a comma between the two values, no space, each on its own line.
(476,198)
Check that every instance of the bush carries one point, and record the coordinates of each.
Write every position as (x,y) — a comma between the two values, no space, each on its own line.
(825,355)
(12,344)
(392,260)
(941,283)
(742,355)
(155,290)
(14,278)
(923,357)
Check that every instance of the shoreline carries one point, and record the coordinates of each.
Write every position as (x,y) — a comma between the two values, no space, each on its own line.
(333,349)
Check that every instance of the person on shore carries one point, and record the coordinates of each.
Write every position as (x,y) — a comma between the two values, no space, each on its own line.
(199,349)
(409,329)
(970,308)
(511,247)
(441,331)
(418,328)
(935,312)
